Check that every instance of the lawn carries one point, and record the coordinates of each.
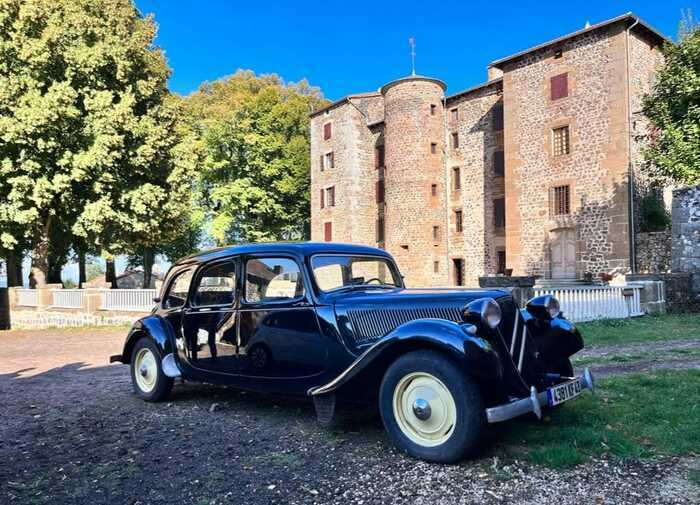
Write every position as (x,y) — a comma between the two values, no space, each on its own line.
(641,329)
(635,357)
(632,416)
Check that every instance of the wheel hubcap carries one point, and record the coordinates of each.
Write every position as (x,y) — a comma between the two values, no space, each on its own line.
(424,409)
(147,367)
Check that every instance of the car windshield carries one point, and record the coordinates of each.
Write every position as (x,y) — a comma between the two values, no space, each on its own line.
(340,271)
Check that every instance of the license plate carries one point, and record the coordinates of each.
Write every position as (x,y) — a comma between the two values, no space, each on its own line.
(563,392)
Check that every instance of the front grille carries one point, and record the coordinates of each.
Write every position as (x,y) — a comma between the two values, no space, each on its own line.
(370,323)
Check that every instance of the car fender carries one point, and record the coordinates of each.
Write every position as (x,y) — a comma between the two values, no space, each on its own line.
(153,327)
(457,340)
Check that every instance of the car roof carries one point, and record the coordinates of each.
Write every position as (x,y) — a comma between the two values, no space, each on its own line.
(299,248)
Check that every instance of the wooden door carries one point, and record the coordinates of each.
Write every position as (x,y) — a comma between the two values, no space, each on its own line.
(563,253)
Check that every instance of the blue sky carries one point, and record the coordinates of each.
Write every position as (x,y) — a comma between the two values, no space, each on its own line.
(349,47)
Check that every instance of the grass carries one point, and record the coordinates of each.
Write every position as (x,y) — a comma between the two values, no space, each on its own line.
(633,416)
(641,329)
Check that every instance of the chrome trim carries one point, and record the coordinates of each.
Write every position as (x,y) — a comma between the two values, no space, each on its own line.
(523,338)
(169,366)
(532,403)
(515,331)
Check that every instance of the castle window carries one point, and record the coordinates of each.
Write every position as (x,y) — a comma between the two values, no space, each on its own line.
(454,114)
(326,131)
(379,157)
(499,213)
(323,198)
(436,266)
(380,229)
(456,179)
(558,53)
(455,140)
(560,141)
(458,220)
(328,231)
(458,271)
(328,161)
(498,117)
(433,148)
(330,196)
(560,201)
(436,233)
(559,86)
(433,190)
(498,164)
(501,268)
(379,190)
(433,108)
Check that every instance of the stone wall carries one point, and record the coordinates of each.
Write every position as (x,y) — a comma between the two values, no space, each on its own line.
(653,252)
(685,223)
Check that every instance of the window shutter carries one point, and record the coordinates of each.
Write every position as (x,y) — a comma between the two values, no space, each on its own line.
(331,196)
(326,131)
(323,195)
(559,85)
(328,231)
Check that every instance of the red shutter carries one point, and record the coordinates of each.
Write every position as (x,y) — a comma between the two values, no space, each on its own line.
(323,200)
(326,131)
(328,231)
(378,156)
(559,85)
(380,191)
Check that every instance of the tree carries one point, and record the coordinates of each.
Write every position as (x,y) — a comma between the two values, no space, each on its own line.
(673,107)
(88,142)
(255,179)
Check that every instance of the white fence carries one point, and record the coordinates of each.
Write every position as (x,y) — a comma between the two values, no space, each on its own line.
(135,300)
(27,297)
(68,298)
(587,303)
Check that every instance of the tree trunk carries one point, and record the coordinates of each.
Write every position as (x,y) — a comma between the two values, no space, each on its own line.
(111,273)
(40,262)
(82,277)
(14,268)
(148,259)
(54,276)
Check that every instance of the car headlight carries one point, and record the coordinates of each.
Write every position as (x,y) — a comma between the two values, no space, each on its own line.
(483,310)
(553,307)
(544,307)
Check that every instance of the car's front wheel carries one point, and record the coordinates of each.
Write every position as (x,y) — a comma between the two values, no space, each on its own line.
(431,408)
(147,376)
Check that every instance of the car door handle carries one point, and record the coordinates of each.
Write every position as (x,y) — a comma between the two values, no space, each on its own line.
(301,304)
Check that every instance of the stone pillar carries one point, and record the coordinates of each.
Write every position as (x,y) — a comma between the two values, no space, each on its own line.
(685,246)
(520,287)
(93,300)
(44,295)
(652,297)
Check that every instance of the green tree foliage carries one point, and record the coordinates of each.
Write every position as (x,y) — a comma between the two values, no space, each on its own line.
(673,107)
(654,216)
(255,134)
(89,144)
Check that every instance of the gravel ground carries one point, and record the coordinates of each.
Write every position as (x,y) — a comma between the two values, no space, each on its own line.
(73,432)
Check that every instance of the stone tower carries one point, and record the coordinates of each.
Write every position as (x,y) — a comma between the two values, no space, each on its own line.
(414,178)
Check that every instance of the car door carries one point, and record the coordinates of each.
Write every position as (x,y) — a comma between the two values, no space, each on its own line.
(174,301)
(278,328)
(209,320)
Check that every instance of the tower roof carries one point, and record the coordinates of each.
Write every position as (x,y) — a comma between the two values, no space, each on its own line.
(409,78)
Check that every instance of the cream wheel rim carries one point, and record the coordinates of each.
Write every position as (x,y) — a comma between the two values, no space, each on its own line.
(424,409)
(145,370)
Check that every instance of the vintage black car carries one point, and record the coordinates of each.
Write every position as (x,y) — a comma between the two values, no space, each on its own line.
(336,323)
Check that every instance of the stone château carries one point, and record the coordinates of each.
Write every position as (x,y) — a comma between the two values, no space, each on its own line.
(529,173)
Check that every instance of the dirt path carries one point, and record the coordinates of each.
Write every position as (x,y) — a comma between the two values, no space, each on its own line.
(642,347)
(602,371)
(72,431)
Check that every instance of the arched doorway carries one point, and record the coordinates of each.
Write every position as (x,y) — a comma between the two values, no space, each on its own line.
(562,249)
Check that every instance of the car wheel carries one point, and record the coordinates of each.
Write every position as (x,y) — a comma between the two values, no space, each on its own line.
(431,408)
(260,357)
(147,376)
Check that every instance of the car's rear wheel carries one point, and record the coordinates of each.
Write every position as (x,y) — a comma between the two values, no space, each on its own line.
(431,408)
(147,376)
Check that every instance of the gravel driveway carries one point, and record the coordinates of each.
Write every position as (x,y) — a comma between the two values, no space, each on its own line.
(73,432)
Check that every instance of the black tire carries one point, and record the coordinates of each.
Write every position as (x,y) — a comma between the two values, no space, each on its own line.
(470,416)
(163,383)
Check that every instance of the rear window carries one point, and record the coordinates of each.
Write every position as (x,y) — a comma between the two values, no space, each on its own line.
(178,289)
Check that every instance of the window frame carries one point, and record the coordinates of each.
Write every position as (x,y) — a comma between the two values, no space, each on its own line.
(390,261)
(244,279)
(555,129)
(329,126)
(175,276)
(200,273)
(459,220)
(553,207)
(456,178)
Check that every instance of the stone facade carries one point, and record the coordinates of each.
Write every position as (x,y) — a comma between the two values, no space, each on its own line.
(685,218)
(441,159)
(653,252)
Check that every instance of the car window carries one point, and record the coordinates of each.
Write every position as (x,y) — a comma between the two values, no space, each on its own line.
(217,285)
(272,280)
(177,293)
(338,271)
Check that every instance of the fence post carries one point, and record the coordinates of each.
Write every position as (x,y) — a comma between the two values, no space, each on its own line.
(92,299)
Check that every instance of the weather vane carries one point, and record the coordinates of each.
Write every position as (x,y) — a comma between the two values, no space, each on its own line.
(412,43)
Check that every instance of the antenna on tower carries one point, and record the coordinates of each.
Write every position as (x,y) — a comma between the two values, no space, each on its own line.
(412,43)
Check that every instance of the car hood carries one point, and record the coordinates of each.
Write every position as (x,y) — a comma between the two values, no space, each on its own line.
(379,296)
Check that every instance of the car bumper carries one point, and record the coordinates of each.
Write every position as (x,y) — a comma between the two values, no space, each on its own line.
(533,403)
